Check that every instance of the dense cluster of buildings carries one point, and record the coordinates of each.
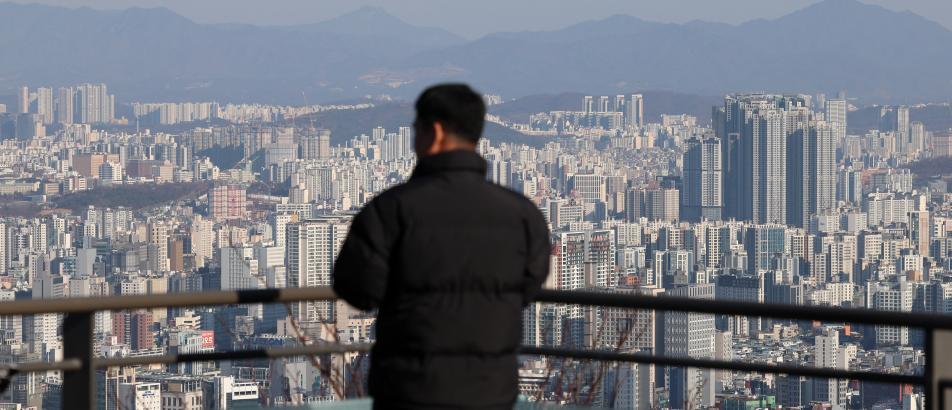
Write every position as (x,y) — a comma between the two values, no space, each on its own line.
(47,109)
(37,109)
(773,202)
(186,112)
(596,116)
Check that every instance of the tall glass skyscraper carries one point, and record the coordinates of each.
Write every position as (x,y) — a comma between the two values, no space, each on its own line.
(778,161)
(701,197)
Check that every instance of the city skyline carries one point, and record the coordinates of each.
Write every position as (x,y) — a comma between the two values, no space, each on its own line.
(667,182)
(774,201)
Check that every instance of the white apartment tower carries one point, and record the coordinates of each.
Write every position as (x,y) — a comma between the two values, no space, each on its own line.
(836,117)
(636,111)
(311,248)
(44,104)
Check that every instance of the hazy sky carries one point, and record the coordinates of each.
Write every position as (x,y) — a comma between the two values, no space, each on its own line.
(473,18)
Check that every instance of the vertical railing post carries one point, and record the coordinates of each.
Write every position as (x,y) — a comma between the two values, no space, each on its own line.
(938,368)
(79,386)
(930,399)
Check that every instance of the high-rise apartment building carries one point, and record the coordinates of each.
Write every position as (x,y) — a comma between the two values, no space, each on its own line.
(894,296)
(811,171)
(65,107)
(588,104)
(765,245)
(603,104)
(690,335)
(5,248)
(634,386)
(755,131)
(588,187)
(86,103)
(23,100)
(769,147)
(583,259)
(828,353)
(702,180)
(316,145)
(158,250)
(917,137)
(93,104)
(140,328)
(920,231)
(627,386)
(311,248)
(620,105)
(44,104)
(835,110)
(894,118)
(636,111)
(202,238)
(239,269)
(227,202)
(134,329)
(655,204)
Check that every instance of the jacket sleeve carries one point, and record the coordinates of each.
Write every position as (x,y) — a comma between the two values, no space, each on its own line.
(538,256)
(362,267)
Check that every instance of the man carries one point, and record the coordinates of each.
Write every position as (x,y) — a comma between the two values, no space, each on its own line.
(449,260)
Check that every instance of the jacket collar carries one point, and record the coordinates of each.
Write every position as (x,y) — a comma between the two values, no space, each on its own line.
(459,160)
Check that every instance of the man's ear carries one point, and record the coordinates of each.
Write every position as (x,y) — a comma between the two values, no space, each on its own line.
(439,138)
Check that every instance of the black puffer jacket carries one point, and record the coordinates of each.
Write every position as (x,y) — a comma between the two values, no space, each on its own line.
(449,260)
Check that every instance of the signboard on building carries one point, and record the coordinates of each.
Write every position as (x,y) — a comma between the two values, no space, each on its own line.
(208,339)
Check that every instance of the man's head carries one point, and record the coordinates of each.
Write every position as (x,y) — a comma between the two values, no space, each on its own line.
(448,117)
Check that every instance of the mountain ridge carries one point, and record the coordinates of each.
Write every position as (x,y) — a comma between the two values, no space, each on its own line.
(792,53)
(154,54)
(375,21)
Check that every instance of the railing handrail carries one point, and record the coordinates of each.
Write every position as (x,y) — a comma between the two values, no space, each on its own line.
(267,353)
(739,308)
(89,304)
(79,365)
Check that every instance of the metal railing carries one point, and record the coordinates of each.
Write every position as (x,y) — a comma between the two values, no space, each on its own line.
(79,364)
(936,377)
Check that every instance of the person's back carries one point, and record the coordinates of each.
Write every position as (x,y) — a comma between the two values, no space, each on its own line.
(450,260)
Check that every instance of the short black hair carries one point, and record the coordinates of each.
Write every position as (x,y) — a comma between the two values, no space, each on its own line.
(457,107)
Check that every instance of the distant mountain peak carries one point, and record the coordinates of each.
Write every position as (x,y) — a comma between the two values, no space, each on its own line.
(840,8)
(842,5)
(366,14)
(150,10)
(377,21)
(368,10)
(373,15)
(154,12)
